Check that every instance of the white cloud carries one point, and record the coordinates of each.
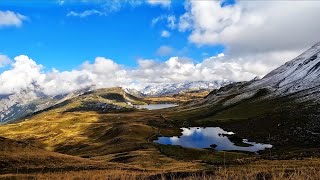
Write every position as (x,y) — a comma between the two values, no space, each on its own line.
(156,20)
(165,34)
(164,3)
(24,73)
(4,60)
(248,26)
(110,6)
(181,69)
(258,35)
(86,13)
(60,2)
(103,72)
(10,18)
(259,64)
(165,51)
(169,20)
(105,7)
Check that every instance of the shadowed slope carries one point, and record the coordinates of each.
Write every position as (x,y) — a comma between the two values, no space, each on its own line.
(16,156)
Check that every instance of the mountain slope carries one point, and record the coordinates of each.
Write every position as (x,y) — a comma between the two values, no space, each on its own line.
(70,118)
(16,156)
(282,108)
(104,125)
(298,79)
(299,74)
(28,101)
(99,125)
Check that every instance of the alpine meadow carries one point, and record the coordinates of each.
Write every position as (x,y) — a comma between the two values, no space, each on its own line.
(159,89)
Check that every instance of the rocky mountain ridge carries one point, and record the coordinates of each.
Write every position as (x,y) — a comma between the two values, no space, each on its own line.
(175,88)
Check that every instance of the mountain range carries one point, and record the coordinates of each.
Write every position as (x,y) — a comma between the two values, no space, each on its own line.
(299,76)
(281,108)
(27,101)
(176,88)
(102,126)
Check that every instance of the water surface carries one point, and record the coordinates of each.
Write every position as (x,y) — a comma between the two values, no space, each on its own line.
(157,106)
(215,137)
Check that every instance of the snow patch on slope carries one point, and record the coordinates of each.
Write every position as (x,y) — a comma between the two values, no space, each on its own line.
(175,88)
(299,74)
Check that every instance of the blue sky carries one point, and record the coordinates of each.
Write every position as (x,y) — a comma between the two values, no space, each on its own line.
(56,40)
(65,45)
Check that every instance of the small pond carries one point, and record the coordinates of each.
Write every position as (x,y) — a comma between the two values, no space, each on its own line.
(156,106)
(214,137)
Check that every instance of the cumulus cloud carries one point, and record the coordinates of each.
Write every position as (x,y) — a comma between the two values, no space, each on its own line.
(248,26)
(10,18)
(258,35)
(165,34)
(23,73)
(103,72)
(164,3)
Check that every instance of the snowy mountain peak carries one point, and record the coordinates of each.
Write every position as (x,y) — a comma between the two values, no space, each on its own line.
(175,88)
(301,73)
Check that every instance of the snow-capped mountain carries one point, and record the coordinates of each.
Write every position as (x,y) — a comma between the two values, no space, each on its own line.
(301,73)
(297,79)
(30,100)
(175,88)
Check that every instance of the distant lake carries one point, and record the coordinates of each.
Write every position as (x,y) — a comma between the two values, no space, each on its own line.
(156,106)
(214,137)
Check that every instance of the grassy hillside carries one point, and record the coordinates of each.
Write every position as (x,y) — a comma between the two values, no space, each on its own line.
(285,122)
(21,157)
(121,135)
(101,130)
(181,98)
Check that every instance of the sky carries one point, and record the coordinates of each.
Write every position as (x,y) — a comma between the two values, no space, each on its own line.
(65,45)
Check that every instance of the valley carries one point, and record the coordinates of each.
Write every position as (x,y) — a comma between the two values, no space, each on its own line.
(123,139)
(102,132)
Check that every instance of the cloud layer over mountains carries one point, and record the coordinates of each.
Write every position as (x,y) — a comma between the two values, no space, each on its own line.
(25,72)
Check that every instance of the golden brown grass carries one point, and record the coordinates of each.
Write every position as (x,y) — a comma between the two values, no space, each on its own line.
(183,97)
(276,170)
(118,138)
(119,146)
